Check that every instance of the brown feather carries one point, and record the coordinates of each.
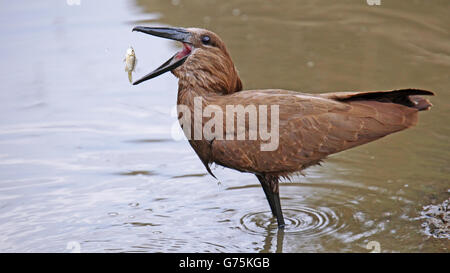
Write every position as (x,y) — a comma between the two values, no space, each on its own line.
(311,126)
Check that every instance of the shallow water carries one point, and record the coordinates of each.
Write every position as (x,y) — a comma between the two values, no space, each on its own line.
(87,160)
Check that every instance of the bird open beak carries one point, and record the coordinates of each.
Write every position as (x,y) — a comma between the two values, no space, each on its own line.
(177,34)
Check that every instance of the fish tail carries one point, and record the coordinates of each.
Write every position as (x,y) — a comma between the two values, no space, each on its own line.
(129,76)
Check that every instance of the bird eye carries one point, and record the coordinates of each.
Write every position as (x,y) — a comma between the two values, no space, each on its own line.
(206,40)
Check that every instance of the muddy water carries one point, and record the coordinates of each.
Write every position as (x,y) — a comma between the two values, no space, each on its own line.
(87,162)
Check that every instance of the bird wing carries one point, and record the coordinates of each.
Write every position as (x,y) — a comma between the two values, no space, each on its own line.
(310,128)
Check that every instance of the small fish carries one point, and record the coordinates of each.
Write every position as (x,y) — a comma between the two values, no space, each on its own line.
(130,62)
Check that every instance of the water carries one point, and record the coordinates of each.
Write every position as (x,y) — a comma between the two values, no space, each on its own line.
(87,161)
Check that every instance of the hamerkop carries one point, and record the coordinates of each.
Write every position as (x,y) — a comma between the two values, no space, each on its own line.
(310,126)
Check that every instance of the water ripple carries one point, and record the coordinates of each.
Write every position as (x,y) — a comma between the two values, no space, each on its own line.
(307,221)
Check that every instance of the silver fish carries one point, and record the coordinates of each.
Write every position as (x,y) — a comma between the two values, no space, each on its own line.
(130,62)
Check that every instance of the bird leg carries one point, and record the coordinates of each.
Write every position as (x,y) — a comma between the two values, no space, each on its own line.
(271,189)
(269,196)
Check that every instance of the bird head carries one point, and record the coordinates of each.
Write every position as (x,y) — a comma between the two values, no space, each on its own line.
(130,51)
(203,61)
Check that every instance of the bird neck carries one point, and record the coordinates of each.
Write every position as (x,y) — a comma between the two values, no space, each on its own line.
(207,83)
(203,84)
(207,75)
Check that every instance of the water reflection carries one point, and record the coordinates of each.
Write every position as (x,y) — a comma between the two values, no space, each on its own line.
(272,234)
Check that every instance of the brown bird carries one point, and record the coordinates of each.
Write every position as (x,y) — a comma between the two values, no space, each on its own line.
(310,126)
